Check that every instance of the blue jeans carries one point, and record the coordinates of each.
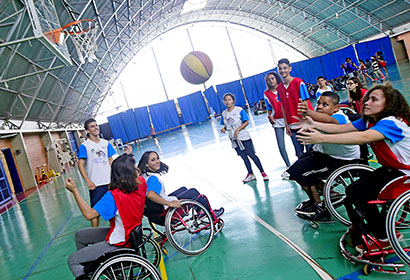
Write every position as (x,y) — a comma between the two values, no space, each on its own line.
(299,148)
(280,139)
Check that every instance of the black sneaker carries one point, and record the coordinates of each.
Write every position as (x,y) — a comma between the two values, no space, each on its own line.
(306,208)
(219,212)
(322,217)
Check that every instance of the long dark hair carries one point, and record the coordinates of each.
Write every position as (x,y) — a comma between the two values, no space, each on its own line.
(124,174)
(143,164)
(395,104)
(356,94)
(277,77)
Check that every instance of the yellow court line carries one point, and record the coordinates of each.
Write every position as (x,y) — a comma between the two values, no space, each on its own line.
(162,269)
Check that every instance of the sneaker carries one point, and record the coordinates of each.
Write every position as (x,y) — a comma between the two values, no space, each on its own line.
(381,244)
(219,212)
(265,177)
(285,175)
(249,178)
(322,216)
(306,208)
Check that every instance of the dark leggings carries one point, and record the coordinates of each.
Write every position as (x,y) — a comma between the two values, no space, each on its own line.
(184,193)
(364,190)
(248,151)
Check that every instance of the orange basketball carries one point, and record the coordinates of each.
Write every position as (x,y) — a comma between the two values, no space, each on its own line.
(196,67)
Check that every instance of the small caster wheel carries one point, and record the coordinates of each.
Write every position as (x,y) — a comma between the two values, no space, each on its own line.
(314,225)
(367,269)
(164,251)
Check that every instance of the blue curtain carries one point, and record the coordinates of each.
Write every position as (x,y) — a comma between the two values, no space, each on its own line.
(193,108)
(367,49)
(201,111)
(234,87)
(187,110)
(164,116)
(130,124)
(331,62)
(213,100)
(105,130)
(250,90)
(143,122)
(117,127)
(308,70)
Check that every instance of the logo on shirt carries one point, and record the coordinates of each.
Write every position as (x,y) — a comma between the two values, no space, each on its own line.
(100,153)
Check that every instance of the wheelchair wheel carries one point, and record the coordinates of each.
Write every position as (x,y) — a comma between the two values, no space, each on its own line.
(398,226)
(334,191)
(151,251)
(126,266)
(190,228)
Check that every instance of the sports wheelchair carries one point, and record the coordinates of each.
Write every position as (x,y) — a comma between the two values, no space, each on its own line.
(138,262)
(189,229)
(393,200)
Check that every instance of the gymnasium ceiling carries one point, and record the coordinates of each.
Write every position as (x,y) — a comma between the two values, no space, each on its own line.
(36,86)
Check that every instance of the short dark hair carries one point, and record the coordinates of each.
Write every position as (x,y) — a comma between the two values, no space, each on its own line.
(333,95)
(124,174)
(142,164)
(347,58)
(320,77)
(229,94)
(284,60)
(277,77)
(87,122)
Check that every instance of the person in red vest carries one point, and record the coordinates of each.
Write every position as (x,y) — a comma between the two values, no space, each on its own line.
(123,205)
(275,114)
(289,92)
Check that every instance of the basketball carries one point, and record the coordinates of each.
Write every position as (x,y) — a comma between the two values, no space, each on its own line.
(196,67)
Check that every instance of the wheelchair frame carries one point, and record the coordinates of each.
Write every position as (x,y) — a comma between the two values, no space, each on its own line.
(126,263)
(396,192)
(189,229)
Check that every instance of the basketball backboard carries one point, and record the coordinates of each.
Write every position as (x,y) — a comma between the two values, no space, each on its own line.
(45,21)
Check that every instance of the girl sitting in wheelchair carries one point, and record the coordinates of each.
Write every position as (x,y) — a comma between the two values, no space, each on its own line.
(385,125)
(122,205)
(158,201)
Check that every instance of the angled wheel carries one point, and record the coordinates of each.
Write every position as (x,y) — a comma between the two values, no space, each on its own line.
(151,251)
(126,266)
(190,228)
(398,226)
(334,191)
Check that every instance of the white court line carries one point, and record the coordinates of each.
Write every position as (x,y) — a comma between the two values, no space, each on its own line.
(319,270)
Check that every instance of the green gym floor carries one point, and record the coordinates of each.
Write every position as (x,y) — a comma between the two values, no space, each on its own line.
(262,237)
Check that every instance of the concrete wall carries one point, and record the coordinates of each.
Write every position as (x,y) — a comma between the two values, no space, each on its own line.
(405,40)
(23,162)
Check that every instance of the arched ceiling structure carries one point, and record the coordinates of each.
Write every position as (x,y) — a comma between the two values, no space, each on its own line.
(36,86)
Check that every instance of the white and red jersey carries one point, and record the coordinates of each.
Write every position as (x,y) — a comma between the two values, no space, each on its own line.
(290,95)
(394,150)
(273,104)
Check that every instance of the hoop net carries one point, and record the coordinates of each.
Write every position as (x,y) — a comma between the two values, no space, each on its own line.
(83,34)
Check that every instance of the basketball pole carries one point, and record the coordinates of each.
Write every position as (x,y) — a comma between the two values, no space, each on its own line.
(160,75)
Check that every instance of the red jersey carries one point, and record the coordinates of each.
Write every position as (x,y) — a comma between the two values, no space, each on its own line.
(131,208)
(276,105)
(290,99)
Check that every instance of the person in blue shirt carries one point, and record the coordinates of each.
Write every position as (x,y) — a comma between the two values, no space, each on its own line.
(158,200)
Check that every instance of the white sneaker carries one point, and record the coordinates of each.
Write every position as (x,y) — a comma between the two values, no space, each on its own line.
(285,175)
(249,177)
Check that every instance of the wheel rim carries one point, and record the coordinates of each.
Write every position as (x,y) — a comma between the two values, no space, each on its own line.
(398,221)
(337,184)
(152,251)
(187,233)
(124,267)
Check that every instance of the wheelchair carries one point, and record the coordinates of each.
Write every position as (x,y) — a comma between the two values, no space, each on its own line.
(393,200)
(189,229)
(138,262)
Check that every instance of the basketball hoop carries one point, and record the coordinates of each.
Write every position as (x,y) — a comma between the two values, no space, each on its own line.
(83,34)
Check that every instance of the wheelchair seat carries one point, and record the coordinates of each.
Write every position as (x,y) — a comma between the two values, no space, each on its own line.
(395,188)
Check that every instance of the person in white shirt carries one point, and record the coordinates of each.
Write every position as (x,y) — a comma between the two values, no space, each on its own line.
(94,163)
(323,86)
